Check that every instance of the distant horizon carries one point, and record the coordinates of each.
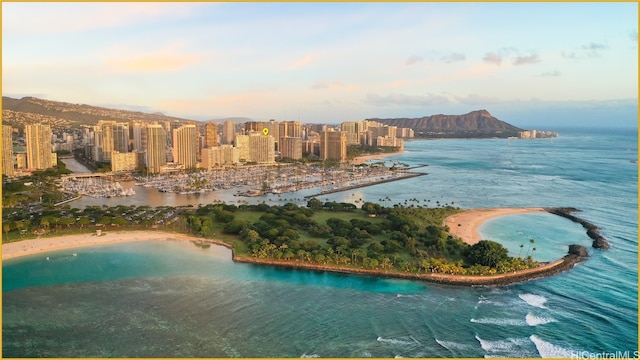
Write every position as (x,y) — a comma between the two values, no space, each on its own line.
(330,62)
(620,110)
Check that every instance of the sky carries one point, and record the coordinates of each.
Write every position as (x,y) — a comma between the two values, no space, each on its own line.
(530,64)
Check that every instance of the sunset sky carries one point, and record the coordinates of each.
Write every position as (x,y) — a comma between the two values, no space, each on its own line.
(547,64)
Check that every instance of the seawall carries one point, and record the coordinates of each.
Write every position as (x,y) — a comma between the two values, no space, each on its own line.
(556,267)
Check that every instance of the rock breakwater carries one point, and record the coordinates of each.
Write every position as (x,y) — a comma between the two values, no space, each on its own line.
(599,241)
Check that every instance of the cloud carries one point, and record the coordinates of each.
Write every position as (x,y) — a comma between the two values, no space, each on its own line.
(36,18)
(493,58)
(528,59)
(303,62)
(333,85)
(589,50)
(403,99)
(453,57)
(554,73)
(634,35)
(414,59)
(497,57)
(159,61)
(594,46)
(477,100)
(593,49)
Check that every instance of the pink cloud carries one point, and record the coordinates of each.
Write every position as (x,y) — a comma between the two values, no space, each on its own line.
(159,61)
(493,58)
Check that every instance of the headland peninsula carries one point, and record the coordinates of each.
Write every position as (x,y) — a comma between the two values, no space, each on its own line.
(408,243)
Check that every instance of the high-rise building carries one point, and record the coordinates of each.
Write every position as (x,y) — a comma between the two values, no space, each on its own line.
(242,144)
(156,148)
(262,148)
(38,141)
(405,133)
(291,147)
(228,132)
(121,137)
(210,134)
(108,140)
(124,161)
(252,126)
(290,129)
(287,132)
(389,141)
(184,146)
(350,128)
(7,151)
(219,156)
(333,145)
(256,147)
(172,126)
(136,135)
(274,130)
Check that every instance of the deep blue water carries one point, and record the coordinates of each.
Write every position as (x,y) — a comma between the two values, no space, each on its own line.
(172,299)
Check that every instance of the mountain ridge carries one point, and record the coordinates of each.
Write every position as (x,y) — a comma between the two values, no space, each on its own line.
(478,123)
(29,110)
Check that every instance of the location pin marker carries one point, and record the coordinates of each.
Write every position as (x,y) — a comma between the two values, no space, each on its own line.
(265,131)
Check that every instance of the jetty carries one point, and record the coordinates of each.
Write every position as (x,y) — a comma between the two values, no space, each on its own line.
(406,175)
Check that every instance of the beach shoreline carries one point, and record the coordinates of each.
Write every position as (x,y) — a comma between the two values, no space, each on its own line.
(475,218)
(364,158)
(54,243)
(465,224)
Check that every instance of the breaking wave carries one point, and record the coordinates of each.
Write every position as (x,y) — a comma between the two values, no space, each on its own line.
(534,300)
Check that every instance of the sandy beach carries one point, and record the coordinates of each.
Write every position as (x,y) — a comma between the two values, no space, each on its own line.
(364,158)
(465,224)
(34,246)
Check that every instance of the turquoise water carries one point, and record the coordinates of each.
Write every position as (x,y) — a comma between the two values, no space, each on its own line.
(172,299)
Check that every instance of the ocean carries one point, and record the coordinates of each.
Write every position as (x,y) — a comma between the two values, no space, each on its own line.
(172,299)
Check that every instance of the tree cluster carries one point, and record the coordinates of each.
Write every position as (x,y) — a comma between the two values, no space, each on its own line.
(396,239)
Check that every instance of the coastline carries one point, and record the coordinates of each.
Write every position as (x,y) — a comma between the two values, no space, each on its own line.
(465,224)
(364,158)
(545,270)
(45,244)
(42,245)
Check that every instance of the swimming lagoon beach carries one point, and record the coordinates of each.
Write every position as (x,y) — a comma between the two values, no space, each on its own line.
(45,244)
(469,221)
(464,225)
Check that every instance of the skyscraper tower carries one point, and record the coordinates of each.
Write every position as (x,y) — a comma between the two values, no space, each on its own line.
(333,145)
(7,151)
(156,148)
(210,134)
(121,137)
(262,148)
(228,132)
(184,146)
(38,140)
(104,140)
(290,139)
(136,131)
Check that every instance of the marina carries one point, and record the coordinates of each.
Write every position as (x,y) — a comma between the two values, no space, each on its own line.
(93,186)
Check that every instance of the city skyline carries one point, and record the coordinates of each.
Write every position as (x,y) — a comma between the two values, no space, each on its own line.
(527,63)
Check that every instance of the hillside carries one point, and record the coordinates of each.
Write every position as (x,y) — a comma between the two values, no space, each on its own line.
(29,110)
(479,123)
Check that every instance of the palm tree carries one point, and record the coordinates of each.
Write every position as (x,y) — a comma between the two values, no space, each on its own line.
(521,247)
(531,242)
